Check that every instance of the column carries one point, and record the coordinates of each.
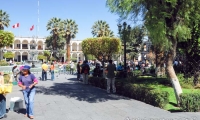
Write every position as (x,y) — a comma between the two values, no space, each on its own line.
(13,46)
(43,46)
(21,45)
(21,56)
(78,56)
(28,46)
(70,48)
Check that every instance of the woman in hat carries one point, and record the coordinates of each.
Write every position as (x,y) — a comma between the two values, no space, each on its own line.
(2,99)
(27,82)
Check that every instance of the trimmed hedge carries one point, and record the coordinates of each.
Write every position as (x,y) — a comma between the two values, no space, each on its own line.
(139,92)
(4,63)
(146,94)
(190,102)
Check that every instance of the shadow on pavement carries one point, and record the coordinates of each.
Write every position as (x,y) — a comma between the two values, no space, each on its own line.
(78,91)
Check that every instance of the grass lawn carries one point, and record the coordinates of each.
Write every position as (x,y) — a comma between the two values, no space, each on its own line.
(172,105)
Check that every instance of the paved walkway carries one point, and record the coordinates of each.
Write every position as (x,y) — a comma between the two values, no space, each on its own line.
(67,99)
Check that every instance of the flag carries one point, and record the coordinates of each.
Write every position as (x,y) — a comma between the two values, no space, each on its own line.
(16,25)
(32,28)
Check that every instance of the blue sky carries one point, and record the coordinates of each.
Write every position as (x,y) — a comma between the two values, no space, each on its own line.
(84,12)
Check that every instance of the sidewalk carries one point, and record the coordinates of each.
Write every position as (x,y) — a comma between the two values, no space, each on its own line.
(67,99)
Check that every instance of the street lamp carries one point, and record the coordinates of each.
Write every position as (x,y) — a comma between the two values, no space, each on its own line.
(124,32)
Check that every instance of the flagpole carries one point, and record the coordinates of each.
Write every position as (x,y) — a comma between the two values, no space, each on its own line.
(19,32)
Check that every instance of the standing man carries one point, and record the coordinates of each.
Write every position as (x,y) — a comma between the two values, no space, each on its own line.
(111,76)
(44,71)
(72,66)
(85,71)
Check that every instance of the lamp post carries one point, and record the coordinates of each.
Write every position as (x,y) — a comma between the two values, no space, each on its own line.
(124,33)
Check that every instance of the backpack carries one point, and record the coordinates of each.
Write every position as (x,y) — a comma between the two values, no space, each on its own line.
(86,70)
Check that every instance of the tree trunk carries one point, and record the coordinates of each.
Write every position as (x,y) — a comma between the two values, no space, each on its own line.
(68,52)
(171,73)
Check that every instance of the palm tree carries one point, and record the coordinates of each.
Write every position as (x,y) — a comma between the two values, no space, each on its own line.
(70,30)
(101,29)
(55,26)
(4,20)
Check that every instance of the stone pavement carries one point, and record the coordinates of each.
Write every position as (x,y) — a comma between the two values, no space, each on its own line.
(67,99)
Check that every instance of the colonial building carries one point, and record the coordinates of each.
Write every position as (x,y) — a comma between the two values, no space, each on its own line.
(23,52)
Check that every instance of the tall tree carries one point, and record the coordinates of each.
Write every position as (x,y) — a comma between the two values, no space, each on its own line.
(70,29)
(6,38)
(60,44)
(168,22)
(54,25)
(101,29)
(4,20)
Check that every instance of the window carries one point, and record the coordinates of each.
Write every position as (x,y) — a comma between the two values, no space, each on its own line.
(24,46)
(18,46)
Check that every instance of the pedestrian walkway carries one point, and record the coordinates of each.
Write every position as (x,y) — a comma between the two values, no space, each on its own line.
(67,99)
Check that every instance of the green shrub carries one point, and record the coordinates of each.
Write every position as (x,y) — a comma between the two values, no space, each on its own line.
(4,63)
(146,94)
(190,102)
(185,82)
(98,82)
(137,72)
(141,92)
(18,63)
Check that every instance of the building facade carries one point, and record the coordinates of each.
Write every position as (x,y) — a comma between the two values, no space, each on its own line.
(23,52)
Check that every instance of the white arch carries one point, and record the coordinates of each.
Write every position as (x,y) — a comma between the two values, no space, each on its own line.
(17,44)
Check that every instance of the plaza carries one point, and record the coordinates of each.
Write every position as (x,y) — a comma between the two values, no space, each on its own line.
(68,99)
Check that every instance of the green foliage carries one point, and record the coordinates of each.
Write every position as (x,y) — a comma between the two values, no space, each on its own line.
(97,82)
(4,20)
(47,54)
(6,38)
(148,95)
(62,31)
(18,63)
(101,29)
(41,57)
(190,102)
(52,59)
(74,59)
(70,29)
(185,82)
(90,57)
(101,47)
(136,91)
(134,43)
(4,63)
(159,17)
(8,55)
(137,72)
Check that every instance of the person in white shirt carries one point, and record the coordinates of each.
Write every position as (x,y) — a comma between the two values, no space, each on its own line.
(72,68)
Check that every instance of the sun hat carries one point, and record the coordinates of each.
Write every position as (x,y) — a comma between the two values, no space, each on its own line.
(26,67)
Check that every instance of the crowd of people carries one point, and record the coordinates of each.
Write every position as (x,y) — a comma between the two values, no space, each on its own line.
(27,81)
